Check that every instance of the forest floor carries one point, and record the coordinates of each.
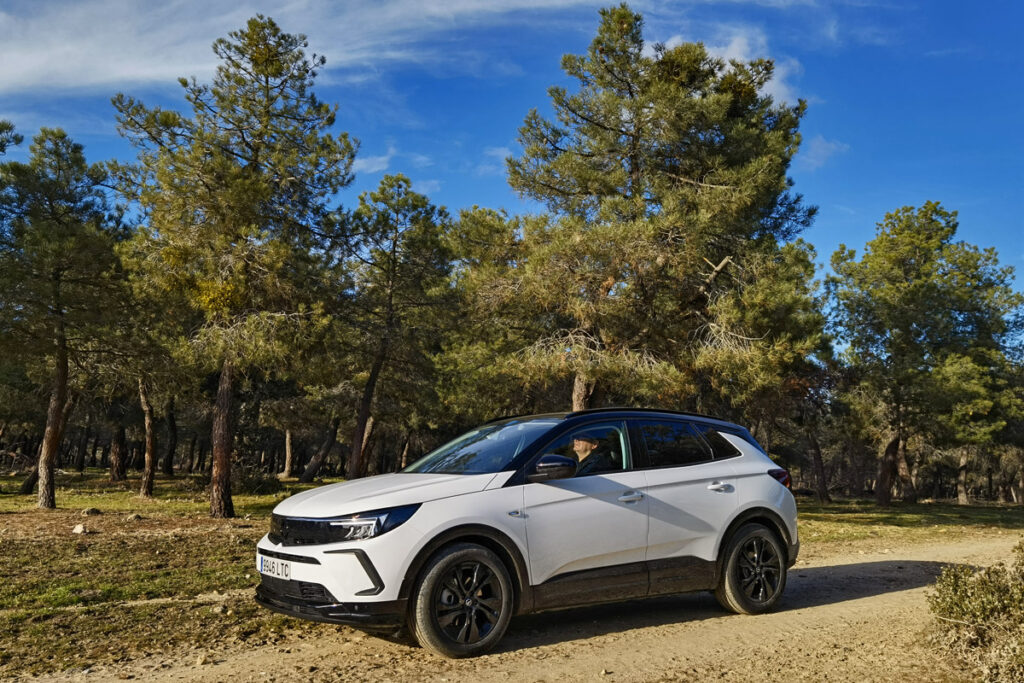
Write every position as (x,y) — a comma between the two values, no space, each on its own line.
(154,590)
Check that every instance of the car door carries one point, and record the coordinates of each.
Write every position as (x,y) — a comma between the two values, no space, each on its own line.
(691,497)
(587,536)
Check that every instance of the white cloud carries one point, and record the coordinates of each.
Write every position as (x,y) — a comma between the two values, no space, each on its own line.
(374,164)
(419,160)
(426,186)
(815,152)
(499,153)
(831,31)
(111,44)
(494,161)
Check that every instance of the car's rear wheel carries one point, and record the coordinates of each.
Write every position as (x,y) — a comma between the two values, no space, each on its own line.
(753,572)
(462,602)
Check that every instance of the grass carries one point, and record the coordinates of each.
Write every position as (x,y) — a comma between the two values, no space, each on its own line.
(158,575)
(859,520)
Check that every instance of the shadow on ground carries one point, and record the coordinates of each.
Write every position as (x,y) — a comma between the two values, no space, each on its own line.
(807,588)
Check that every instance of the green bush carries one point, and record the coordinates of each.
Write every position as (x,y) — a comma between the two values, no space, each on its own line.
(981,615)
(256,482)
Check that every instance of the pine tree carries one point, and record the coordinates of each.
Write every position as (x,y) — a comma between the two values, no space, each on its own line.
(664,176)
(929,323)
(58,271)
(401,284)
(237,205)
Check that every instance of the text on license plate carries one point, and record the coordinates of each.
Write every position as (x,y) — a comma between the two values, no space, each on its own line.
(271,566)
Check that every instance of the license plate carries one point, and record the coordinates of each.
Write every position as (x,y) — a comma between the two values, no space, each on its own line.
(271,566)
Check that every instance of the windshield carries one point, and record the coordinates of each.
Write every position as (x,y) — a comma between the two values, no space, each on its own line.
(486,449)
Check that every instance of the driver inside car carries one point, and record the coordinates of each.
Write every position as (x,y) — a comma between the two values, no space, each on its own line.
(594,455)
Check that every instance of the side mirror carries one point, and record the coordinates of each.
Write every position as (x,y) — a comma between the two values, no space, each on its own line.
(552,466)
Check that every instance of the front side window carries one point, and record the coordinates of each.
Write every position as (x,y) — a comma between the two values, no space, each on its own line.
(484,450)
(670,444)
(601,448)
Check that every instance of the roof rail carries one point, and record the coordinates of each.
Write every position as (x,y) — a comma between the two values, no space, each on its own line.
(512,417)
(626,409)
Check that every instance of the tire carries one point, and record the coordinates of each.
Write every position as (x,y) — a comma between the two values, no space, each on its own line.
(462,602)
(753,573)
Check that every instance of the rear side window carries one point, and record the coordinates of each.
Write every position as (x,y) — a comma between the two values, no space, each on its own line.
(669,444)
(720,446)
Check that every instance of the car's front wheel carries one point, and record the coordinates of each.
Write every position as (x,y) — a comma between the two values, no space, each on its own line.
(753,572)
(462,602)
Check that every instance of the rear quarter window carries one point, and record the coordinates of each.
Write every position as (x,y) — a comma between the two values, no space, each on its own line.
(721,447)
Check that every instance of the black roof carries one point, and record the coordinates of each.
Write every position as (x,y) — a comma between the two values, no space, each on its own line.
(623,410)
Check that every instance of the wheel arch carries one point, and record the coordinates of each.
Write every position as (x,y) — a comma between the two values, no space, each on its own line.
(488,537)
(758,515)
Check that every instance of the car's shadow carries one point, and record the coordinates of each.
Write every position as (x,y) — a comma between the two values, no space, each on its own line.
(806,588)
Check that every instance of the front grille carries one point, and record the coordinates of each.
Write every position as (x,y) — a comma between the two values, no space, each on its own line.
(305,591)
(293,531)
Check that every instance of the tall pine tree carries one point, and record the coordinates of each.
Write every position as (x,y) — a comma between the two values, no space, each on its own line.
(237,201)
(59,276)
(664,176)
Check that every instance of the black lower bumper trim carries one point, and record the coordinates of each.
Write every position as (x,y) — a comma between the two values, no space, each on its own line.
(368,615)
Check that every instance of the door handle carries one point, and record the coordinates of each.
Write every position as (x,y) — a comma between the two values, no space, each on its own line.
(719,487)
(631,497)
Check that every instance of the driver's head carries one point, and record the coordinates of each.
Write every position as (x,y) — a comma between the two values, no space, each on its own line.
(583,444)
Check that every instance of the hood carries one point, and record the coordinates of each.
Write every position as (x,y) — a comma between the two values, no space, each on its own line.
(381,491)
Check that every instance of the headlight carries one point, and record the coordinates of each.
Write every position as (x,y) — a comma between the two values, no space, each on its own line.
(320,531)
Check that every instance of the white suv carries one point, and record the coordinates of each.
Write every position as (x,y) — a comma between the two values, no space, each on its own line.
(534,513)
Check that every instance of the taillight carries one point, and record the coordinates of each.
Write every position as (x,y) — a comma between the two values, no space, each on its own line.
(782,476)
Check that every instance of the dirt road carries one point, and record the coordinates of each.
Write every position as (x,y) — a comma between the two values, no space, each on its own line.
(849,614)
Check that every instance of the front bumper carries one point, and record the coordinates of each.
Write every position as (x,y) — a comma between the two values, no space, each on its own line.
(312,601)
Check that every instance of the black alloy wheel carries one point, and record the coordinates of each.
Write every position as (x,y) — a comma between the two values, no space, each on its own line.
(760,568)
(467,602)
(753,571)
(463,602)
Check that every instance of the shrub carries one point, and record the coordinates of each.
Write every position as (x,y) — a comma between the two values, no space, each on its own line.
(981,615)
(256,482)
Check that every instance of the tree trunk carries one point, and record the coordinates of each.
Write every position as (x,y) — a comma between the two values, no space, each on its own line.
(54,420)
(356,464)
(149,470)
(288,464)
(222,440)
(961,479)
(582,391)
(191,452)
(172,439)
(370,465)
(83,445)
(28,484)
(93,462)
(906,476)
(201,462)
(318,458)
(404,460)
(820,483)
(886,470)
(118,454)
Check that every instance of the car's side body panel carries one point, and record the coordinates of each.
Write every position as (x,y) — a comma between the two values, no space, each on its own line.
(585,523)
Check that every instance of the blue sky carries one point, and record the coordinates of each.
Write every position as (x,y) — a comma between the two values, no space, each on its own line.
(908,101)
